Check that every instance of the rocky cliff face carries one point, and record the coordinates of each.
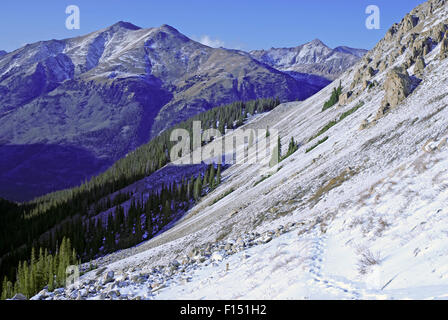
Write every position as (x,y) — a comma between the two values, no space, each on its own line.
(311,58)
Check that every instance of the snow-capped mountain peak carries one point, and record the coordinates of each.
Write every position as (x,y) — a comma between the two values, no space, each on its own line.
(313,57)
(122,76)
(124,25)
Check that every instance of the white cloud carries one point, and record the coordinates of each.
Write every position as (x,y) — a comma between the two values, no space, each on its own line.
(208,41)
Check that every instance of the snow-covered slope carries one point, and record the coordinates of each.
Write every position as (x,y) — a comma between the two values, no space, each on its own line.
(363,215)
(311,58)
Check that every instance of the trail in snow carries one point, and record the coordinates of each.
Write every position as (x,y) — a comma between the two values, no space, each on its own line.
(327,283)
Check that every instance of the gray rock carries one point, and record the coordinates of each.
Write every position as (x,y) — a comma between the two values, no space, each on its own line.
(108,277)
(74,295)
(409,22)
(19,296)
(444,48)
(157,287)
(267,239)
(83,292)
(175,263)
(420,66)
(344,98)
(397,87)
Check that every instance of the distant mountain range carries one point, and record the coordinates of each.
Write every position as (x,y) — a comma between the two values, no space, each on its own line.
(311,58)
(70,108)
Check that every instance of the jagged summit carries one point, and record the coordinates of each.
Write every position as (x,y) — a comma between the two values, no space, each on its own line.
(317,42)
(3,52)
(124,25)
(313,57)
(356,52)
(168,28)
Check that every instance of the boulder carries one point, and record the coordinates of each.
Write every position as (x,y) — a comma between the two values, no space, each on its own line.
(365,84)
(419,67)
(42,295)
(19,296)
(344,98)
(398,86)
(175,263)
(108,277)
(364,124)
(444,48)
(194,254)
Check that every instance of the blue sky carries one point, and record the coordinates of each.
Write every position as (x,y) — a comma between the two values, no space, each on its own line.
(243,24)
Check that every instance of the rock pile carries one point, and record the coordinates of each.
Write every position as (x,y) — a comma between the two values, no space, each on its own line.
(109,285)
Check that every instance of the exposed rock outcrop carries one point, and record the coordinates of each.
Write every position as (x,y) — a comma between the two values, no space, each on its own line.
(345,98)
(410,22)
(420,66)
(444,48)
(398,86)
(438,32)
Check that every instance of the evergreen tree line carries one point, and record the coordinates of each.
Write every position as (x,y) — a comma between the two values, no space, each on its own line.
(277,157)
(97,236)
(334,98)
(146,217)
(42,270)
(292,147)
(65,212)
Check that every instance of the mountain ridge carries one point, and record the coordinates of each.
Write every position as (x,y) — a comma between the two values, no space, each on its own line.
(110,91)
(313,57)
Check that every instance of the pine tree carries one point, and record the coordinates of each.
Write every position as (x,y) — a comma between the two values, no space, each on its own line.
(218,175)
(211,178)
(5,293)
(166,212)
(279,148)
(197,188)
(205,179)
(293,147)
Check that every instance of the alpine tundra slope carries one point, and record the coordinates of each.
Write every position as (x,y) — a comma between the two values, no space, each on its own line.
(361,215)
